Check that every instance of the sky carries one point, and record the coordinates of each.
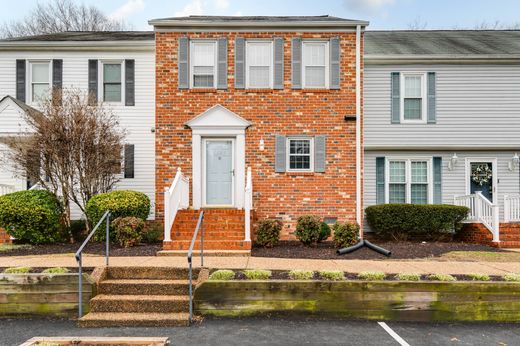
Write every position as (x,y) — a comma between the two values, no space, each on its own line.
(382,14)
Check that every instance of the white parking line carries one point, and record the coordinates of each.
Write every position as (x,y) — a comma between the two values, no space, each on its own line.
(393,334)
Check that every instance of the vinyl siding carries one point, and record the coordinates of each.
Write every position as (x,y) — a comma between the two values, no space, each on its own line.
(478,106)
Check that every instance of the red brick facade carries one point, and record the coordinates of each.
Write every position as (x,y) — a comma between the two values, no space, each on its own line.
(4,237)
(285,112)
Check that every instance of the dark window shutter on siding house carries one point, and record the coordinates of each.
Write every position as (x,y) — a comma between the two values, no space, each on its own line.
(57,79)
(334,63)
(129,82)
(432,117)
(20,80)
(320,153)
(396,98)
(240,63)
(129,161)
(93,81)
(183,62)
(380,180)
(296,63)
(222,70)
(280,154)
(278,63)
(437,180)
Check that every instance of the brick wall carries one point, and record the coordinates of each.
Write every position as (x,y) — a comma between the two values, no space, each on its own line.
(285,112)
(4,237)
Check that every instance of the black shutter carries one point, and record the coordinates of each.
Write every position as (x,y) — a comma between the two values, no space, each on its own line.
(20,80)
(129,161)
(129,82)
(57,80)
(93,81)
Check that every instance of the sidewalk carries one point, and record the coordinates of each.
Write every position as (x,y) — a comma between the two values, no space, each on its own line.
(352,266)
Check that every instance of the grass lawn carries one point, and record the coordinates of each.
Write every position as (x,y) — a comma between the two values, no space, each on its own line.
(485,256)
(11,247)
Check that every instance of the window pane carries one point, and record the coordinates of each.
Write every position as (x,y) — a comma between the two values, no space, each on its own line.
(203,54)
(300,146)
(419,172)
(112,92)
(203,81)
(412,86)
(300,162)
(397,172)
(419,193)
(39,92)
(397,193)
(40,72)
(314,53)
(259,76)
(259,53)
(314,76)
(112,73)
(412,109)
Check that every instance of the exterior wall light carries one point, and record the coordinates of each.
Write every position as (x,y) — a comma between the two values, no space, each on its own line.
(514,162)
(453,161)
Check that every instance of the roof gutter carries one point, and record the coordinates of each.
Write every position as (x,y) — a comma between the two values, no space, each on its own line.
(442,59)
(234,24)
(144,45)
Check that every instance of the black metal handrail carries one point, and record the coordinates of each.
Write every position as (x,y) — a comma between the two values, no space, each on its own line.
(78,256)
(200,224)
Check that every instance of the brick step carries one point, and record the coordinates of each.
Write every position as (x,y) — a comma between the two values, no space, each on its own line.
(141,287)
(122,319)
(139,303)
(208,237)
(507,244)
(512,237)
(509,231)
(207,253)
(150,273)
(209,245)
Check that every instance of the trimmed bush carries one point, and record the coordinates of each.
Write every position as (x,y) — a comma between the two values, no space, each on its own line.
(511,277)
(78,230)
(324,232)
(332,275)
(257,274)
(152,234)
(308,229)
(345,234)
(372,276)
(441,277)
(32,217)
(400,221)
(408,277)
(17,270)
(301,274)
(268,232)
(222,274)
(128,231)
(121,203)
(56,270)
(478,277)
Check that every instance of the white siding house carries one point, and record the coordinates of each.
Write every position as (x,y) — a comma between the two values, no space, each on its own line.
(75,50)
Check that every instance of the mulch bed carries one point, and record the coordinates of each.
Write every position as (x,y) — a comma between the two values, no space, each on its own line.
(400,250)
(91,248)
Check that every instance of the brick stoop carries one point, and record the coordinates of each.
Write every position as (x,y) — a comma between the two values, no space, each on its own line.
(140,296)
(4,237)
(479,234)
(223,230)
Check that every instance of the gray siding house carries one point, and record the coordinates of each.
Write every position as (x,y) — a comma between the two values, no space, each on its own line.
(442,121)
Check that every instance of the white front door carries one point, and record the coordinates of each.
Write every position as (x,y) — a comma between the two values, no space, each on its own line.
(218,172)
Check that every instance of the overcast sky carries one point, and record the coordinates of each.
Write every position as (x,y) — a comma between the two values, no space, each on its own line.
(382,14)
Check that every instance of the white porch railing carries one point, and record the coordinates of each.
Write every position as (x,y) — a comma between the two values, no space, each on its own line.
(5,189)
(176,197)
(511,208)
(248,205)
(481,210)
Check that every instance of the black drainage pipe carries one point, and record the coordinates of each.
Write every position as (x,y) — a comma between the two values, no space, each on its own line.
(361,244)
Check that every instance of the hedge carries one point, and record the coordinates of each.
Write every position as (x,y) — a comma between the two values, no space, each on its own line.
(420,221)
(32,216)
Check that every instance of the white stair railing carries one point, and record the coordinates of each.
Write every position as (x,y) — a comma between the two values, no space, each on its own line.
(512,208)
(481,210)
(176,197)
(248,205)
(5,189)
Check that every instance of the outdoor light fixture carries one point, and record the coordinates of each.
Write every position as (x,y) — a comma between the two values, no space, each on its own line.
(514,162)
(261,146)
(453,161)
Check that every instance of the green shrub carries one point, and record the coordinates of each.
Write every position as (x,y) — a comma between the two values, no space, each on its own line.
(32,216)
(17,270)
(408,277)
(511,277)
(152,234)
(308,229)
(372,276)
(345,234)
(257,274)
(268,232)
(333,275)
(478,277)
(56,270)
(399,221)
(441,277)
(121,203)
(78,230)
(324,232)
(128,230)
(222,274)
(301,274)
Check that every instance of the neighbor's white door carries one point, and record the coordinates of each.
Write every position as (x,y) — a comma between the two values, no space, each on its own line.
(218,172)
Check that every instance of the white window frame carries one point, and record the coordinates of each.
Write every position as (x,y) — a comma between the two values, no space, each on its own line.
(288,153)
(408,177)
(327,64)
(101,84)
(424,104)
(215,62)
(30,82)
(271,63)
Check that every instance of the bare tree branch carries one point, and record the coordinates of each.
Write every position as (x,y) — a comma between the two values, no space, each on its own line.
(417,24)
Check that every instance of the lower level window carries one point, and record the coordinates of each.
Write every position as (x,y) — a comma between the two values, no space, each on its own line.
(408,181)
(300,154)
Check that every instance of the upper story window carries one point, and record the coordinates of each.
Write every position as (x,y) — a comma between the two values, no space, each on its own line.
(413,98)
(300,154)
(203,61)
(409,181)
(40,80)
(259,64)
(112,82)
(315,61)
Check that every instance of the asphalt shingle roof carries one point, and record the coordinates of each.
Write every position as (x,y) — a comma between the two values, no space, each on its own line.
(88,36)
(267,19)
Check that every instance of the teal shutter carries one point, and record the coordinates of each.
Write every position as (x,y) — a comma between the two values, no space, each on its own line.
(437,180)
(380,180)
(183,63)
(240,63)
(334,63)
(296,63)
(320,153)
(396,98)
(431,107)
(280,152)
(278,63)
(222,70)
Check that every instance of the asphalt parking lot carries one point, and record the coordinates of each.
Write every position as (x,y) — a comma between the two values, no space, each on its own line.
(282,332)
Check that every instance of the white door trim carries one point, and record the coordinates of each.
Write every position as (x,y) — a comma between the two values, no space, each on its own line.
(233,168)
(494,167)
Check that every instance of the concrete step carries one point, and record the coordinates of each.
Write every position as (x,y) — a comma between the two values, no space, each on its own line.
(510,237)
(151,273)
(122,319)
(208,245)
(209,253)
(139,303)
(143,287)
(507,244)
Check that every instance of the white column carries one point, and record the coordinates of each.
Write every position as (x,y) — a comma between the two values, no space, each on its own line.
(196,159)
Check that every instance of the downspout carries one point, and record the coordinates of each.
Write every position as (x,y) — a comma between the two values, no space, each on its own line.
(358,130)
